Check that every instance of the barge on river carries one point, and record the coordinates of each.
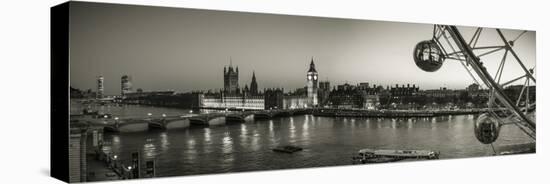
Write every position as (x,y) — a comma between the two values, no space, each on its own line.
(287,149)
(386,155)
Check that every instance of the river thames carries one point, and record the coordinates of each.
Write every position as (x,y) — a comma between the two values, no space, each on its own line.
(327,141)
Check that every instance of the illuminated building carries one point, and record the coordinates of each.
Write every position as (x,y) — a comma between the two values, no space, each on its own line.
(100,87)
(312,84)
(231,79)
(125,85)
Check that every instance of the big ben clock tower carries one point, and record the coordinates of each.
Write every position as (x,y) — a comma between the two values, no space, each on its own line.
(312,84)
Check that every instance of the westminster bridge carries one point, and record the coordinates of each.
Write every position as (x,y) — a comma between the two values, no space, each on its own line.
(114,124)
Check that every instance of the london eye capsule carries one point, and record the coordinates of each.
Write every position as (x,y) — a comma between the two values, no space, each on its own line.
(428,56)
(486,129)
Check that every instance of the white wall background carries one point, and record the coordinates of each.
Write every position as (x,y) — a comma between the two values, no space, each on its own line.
(24,70)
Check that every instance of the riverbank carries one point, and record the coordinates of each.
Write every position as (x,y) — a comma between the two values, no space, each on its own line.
(323,112)
(394,113)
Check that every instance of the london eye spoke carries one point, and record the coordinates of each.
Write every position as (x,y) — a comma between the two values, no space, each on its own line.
(448,43)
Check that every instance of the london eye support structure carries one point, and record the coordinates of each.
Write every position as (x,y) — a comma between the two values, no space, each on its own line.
(448,43)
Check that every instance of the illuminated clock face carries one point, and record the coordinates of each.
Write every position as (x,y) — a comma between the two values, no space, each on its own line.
(309,77)
(314,77)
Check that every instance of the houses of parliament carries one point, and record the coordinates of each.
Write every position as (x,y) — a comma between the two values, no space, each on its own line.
(231,83)
(249,97)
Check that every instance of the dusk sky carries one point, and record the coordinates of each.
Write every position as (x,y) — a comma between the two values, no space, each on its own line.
(186,49)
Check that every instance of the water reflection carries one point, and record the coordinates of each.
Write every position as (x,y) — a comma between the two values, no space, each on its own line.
(149,149)
(114,145)
(227,143)
(329,141)
(164,141)
(190,153)
(243,129)
(116,140)
(207,134)
(305,125)
(244,134)
(305,130)
(228,157)
(292,128)
(271,132)
(255,141)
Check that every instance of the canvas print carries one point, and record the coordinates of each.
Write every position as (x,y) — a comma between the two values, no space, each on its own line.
(160,91)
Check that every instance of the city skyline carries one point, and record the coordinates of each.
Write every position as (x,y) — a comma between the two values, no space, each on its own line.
(123,80)
(186,49)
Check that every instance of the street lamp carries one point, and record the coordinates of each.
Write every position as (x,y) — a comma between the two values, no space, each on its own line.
(128,172)
(113,161)
(149,119)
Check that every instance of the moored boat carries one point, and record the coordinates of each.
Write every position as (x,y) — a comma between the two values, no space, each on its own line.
(287,149)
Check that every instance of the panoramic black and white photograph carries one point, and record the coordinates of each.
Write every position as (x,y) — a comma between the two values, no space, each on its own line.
(160,91)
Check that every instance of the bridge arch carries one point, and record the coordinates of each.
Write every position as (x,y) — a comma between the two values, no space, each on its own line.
(250,115)
(207,120)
